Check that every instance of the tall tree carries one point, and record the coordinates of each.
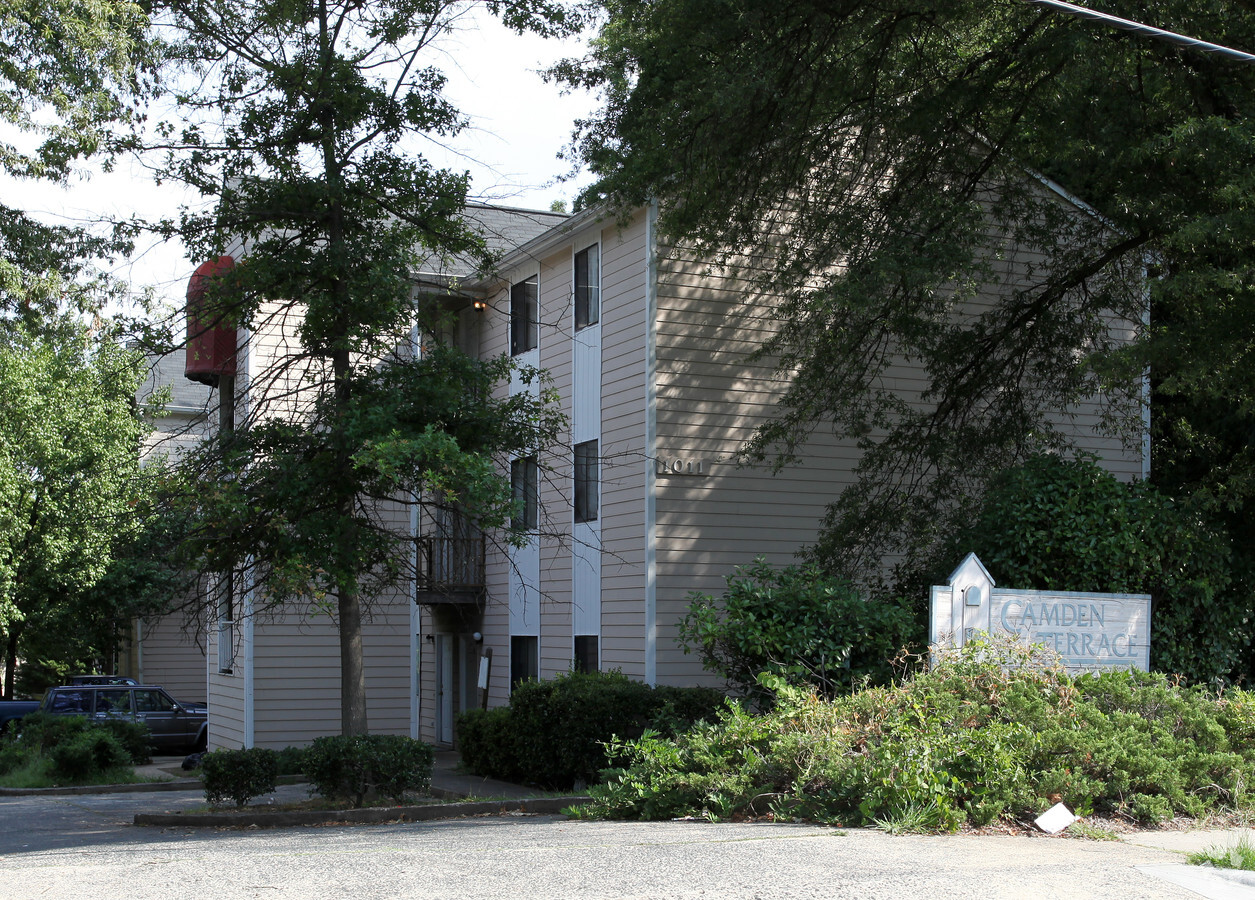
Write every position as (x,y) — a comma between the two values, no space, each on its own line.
(871,152)
(311,123)
(70,488)
(72,78)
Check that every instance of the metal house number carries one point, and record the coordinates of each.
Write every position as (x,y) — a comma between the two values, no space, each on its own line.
(679,466)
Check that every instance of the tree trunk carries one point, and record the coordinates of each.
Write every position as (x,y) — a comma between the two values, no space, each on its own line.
(352,668)
(10,660)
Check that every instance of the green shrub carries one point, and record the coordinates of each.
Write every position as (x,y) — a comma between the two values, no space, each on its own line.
(554,732)
(291,760)
(796,622)
(86,755)
(354,767)
(238,775)
(1068,525)
(487,745)
(134,737)
(992,731)
(13,755)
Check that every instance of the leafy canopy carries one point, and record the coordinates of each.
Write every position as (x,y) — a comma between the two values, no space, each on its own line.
(304,124)
(71,489)
(876,168)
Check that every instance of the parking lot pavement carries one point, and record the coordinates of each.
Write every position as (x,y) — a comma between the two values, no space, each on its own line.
(83,846)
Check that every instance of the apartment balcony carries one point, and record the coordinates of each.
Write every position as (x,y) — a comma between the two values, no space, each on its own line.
(450,570)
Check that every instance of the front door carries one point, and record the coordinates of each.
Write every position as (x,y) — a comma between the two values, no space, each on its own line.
(444,688)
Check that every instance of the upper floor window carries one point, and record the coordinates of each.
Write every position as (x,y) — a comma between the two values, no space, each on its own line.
(524,474)
(588,286)
(524,318)
(586,478)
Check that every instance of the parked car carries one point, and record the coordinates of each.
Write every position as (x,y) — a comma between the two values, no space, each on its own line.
(102,679)
(173,725)
(12,710)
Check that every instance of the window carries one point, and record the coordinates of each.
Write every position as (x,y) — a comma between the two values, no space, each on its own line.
(524,659)
(586,653)
(226,624)
(523,475)
(113,703)
(523,316)
(586,478)
(587,286)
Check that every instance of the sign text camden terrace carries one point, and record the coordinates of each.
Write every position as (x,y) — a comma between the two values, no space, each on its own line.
(1089,631)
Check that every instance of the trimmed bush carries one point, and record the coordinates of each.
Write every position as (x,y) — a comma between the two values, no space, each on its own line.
(808,627)
(993,731)
(238,775)
(487,744)
(355,767)
(291,760)
(554,732)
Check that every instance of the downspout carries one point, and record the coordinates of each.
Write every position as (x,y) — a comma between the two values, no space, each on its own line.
(415,612)
(651,450)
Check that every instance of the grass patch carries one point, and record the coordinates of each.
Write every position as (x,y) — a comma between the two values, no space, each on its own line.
(1240,855)
(1092,832)
(37,773)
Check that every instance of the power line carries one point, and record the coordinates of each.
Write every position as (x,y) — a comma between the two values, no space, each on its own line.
(1137,28)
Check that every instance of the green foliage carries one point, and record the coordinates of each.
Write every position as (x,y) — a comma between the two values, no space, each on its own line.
(49,750)
(864,115)
(354,767)
(554,732)
(799,623)
(303,129)
(87,755)
(990,732)
(1060,524)
(487,744)
(291,760)
(238,775)
(72,81)
(1238,855)
(71,491)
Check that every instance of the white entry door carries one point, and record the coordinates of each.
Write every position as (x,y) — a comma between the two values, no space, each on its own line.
(444,688)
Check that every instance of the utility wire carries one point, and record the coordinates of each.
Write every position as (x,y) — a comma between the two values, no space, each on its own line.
(1137,28)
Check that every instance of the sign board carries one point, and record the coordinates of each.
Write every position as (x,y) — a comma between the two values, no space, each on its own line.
(1091,632)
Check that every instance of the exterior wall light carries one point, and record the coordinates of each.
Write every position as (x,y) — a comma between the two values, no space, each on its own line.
(480,305)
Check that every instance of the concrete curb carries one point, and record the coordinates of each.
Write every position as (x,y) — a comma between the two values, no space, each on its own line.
(257,818)
(183,783)
(142,787)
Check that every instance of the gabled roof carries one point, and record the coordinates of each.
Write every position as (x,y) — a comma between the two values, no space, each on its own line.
(503,228)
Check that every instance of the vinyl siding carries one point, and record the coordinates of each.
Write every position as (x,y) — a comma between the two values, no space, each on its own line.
(711,396)
(624,271)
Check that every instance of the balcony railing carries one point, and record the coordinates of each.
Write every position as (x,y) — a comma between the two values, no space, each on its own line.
(450,569)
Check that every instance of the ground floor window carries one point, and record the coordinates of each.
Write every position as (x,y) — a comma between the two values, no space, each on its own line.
(524,658)
(586,653)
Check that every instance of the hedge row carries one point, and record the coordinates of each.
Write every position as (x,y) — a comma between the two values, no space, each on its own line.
(554,732)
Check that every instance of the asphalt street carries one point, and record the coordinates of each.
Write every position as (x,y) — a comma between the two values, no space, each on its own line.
(85,846)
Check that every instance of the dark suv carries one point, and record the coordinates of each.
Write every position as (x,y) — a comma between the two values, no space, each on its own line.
(173,724)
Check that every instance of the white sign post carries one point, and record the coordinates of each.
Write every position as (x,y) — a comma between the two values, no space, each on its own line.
(1091,632)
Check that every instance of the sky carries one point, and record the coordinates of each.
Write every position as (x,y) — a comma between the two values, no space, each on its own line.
(518,126)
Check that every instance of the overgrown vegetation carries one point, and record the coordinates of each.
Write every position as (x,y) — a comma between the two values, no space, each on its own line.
(1239,855)
(50,751)
(993,731)
(554,733)
(798,623)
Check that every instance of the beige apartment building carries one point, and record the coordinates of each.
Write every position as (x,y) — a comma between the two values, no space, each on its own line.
(652,356)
